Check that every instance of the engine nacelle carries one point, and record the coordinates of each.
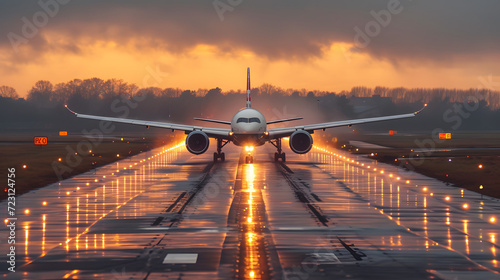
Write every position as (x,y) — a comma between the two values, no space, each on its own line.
(197,142)
(301,142)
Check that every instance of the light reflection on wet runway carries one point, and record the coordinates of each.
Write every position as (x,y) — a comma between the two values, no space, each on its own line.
(425,207)
(322,215)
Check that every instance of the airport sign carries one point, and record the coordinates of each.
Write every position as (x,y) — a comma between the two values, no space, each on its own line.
(445,135)
(40,140)
(63,133)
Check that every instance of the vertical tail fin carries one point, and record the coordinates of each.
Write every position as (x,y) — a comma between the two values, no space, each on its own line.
(249,100)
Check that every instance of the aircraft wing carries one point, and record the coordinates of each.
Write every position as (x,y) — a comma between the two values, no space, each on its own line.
(213,132)
(287,131)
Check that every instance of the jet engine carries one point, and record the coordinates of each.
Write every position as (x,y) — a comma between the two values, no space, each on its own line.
(197,142)
(301,142)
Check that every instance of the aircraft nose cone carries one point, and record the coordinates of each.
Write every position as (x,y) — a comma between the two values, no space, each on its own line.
(248,128)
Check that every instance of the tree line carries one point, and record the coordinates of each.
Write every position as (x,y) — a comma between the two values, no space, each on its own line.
(43,108)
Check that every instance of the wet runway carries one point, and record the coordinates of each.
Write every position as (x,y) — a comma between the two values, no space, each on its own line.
(167,214)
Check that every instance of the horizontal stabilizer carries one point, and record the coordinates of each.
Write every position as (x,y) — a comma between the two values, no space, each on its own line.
(283,120)
(214,121)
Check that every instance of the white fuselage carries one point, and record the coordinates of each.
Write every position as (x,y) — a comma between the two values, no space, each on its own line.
(248,127)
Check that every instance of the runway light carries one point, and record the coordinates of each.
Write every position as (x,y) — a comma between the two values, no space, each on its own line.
(96,180)
(481,187)
(59,159)
(382,172)
(465,206)
(425,189)
(44,203)
(432,194)
(117,155)
(67,193)
(24,166)
(492,219)
(447,198)
(27,211)
(6,220)
(407,181)
(77,188)
(480,166)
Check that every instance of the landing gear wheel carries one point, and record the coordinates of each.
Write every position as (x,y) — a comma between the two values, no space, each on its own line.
(247,159)
(219,154)
(279,154)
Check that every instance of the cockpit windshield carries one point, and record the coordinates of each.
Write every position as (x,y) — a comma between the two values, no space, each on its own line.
(248,120)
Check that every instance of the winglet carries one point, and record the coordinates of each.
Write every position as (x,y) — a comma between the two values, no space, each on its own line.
(249,100)
(425,105)
(70,110)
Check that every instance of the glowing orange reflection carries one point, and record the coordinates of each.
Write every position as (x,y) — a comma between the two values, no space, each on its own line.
(252,238)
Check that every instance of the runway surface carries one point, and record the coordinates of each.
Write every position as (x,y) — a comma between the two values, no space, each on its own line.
(167,214)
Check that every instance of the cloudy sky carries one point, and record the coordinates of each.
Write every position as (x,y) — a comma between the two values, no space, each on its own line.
(325,45)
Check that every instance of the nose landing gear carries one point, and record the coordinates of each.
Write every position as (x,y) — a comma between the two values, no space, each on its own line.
(249,158)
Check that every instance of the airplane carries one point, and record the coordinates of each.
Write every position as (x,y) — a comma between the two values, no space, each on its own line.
(248,128)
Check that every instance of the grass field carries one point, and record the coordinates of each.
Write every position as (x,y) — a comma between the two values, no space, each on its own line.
(37,166)
(468,160)
(455,161)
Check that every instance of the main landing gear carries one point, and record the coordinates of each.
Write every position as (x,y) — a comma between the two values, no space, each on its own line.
(279,154)
(219,154)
